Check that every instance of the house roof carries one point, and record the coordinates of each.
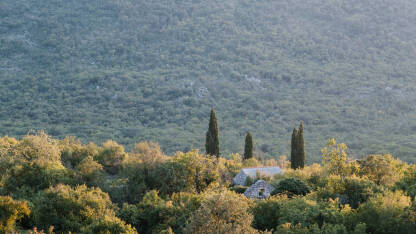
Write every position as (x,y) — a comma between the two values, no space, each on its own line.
(263,170)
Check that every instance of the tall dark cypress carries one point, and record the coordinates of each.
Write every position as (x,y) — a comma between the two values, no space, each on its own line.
(293,152)
(301,147)
(212,143)
(248,147)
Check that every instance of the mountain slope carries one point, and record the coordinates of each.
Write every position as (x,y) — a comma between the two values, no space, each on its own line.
(135,70)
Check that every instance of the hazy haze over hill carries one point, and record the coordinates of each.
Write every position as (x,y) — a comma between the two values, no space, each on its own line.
(135,70)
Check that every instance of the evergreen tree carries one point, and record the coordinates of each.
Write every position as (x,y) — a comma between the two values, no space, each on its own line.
(300,148)
(248,147)
(212,144)
(297,154)
(293,152)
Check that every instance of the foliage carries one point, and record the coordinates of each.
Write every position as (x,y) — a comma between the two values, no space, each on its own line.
(352,190)
(344,67)
(36,231)
(112,156)
(334,158)
(266,214)
(141,167)
(252,162)
(298,211)
(74,209)
(37,147)
(303,212)
(186,172)
(73,152)
(248,147)
(291,186)
(10,212)
(36,176)
(228,168)
(300,147)
(294,149)
(91,171)
(190,192)
(386,213)
(326,228)
(189,172)
(240,189)
(221,212)
(212,143)
(297,154)
(409,177)
(153,214)
(313,174)
(411,191)
(108,225)
(384,170)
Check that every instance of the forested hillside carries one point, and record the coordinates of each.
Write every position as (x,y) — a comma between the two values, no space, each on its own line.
(133,70)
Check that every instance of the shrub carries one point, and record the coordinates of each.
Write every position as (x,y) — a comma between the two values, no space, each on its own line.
(239,189)
(411,191)
(37,147)
(221,212)
(112,156)
(382,169)
(291,186)
(37,176)
(10,212)
(73,152)
(90,171)
(154,214)
(266,214)
(351,190)
(70,209)
(186,172)
(107,225)
(386,213)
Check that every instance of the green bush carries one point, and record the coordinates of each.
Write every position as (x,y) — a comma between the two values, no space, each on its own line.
(112,156)
(154,214)
(108,225)
(72,209)
(10,212)
(291,186)
(37,176)
(266,214)
(351,190)
(239,189)
(387,213)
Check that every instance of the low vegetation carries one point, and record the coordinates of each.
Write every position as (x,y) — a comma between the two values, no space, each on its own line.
(59,186)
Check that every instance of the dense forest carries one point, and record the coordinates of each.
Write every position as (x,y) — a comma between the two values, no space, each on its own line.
(61,186)
(134,70)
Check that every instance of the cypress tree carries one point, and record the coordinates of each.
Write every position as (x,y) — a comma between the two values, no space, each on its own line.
(248,147)
(301,147)
(293,152)
(212,144)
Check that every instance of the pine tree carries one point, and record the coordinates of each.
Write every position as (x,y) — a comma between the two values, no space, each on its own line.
(293,152)
(301,147)
(248,147)
(212,144)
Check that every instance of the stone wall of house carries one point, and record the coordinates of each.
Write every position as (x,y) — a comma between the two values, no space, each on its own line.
(261,189)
